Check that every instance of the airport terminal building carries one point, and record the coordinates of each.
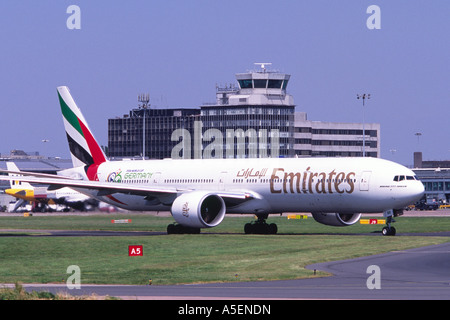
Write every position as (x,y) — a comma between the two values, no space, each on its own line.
(335,139)
(435,176)
(254,118)
(125,134)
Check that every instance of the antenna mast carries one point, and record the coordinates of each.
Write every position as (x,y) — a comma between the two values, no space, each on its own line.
(263,65)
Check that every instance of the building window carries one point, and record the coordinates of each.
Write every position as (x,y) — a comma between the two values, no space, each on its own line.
(274,84)
(260,83)
(245,84)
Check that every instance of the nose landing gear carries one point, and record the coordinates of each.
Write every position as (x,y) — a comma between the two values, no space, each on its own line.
(389,215)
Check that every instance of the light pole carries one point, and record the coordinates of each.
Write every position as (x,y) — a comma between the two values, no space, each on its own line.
(418,134)
(363,96)
(144,100)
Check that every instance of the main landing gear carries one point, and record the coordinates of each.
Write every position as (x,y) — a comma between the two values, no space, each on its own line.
(389,215)
(179,229)
(260,226)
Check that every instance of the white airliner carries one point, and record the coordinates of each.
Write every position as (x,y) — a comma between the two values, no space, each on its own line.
(41,196)
(200,192)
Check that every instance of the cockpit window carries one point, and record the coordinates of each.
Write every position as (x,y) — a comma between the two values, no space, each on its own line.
(401,178)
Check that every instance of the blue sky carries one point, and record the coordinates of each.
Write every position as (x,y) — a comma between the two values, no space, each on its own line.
(177,51)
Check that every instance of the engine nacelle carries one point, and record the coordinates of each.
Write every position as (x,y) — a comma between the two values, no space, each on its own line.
(198,209)
(336,219)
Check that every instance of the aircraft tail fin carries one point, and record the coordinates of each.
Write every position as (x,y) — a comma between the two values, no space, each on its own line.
(14,183)
(84,149)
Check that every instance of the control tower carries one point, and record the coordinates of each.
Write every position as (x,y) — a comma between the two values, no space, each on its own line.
(259,87)
(259,106)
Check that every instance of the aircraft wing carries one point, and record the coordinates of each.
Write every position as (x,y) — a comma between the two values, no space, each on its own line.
(108,188)
(34,174)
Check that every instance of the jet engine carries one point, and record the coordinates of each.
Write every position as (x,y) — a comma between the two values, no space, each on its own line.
(336,219)
(198,209)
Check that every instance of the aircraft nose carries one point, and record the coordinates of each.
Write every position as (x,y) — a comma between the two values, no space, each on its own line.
(418,191)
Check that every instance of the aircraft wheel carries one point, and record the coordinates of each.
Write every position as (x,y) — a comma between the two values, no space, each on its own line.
(260,228)
(393,231)
(388,231)
(273,228)
(171,229)
(179,229)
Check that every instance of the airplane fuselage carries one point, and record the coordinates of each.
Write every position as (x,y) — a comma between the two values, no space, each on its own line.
(343,185)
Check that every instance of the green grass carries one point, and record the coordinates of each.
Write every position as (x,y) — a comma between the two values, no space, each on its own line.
(220,254)
(231,224)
